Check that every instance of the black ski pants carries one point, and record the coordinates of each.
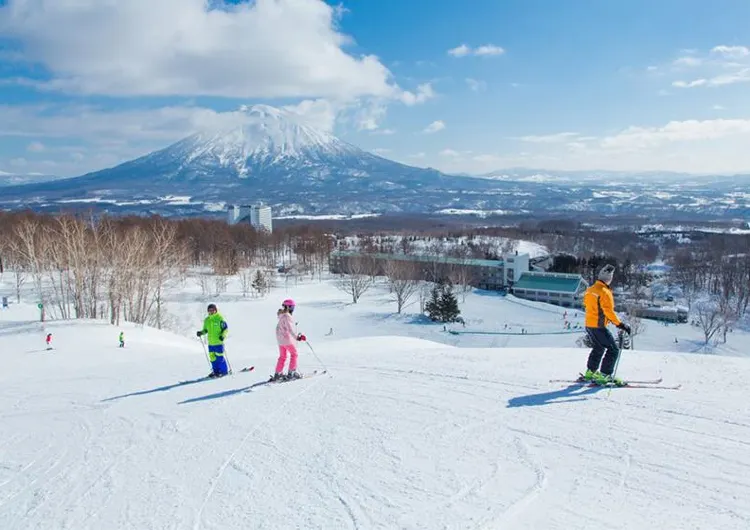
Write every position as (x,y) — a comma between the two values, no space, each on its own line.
(603,341)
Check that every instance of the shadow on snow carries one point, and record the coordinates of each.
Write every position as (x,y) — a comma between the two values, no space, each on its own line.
(225,393)
(158,389)
(564,395)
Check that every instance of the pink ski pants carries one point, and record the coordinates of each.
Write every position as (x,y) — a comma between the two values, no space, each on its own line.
(292,350)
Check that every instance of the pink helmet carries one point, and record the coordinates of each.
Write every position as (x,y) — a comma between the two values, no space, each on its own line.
(288,303)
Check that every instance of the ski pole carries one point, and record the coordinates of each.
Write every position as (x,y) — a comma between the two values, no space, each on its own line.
(316,356)
(226,358)
(205,352)
(620,336)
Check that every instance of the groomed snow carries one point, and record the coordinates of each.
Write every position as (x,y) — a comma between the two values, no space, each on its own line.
(413,427)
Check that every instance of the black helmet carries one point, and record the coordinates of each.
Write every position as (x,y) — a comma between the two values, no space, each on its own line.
(210,307)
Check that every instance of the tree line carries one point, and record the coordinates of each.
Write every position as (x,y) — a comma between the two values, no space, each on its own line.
(119,268)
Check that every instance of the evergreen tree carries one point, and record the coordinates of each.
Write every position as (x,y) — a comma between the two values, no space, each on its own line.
(432,307)
(449,311)
(443,304)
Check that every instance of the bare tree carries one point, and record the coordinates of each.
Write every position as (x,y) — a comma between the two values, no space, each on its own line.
(403,281)
(462,275)
(246,281)
(220,285)
(356,278)
(710,317)
(204,282)
(637,324)
(425,293)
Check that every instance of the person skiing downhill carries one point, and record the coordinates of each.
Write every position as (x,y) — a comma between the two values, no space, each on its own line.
(285,337)
(599,304)
(48,340)
(122,339)
(215,328)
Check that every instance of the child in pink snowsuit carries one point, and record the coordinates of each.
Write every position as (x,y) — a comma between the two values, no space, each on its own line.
(286,338)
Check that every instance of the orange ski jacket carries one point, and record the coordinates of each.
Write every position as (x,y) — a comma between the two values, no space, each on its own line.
(600,306)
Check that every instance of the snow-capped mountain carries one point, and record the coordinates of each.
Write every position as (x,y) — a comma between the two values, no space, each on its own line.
(269,155)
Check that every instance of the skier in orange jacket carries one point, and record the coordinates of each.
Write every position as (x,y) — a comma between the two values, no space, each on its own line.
(599,304)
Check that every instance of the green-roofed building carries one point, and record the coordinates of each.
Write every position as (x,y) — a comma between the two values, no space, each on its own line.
(553,288)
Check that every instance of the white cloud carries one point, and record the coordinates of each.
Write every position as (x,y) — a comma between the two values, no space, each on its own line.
(489,49)
(434,127)
(449,152)
(476,85)
(722,65)
(690,84)
(384,131)
(35,147)
(318,113)
(696,146)
(485,50)
(675,131)
(422,94)
(549,138)
(688,61)
(460,51)
(103,138)
(732,52)
(261,49)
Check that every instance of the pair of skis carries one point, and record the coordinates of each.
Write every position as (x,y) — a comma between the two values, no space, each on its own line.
(630,383)
(250,369)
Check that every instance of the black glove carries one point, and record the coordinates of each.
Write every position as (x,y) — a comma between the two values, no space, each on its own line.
(221,337)
(623,326)
(199,333)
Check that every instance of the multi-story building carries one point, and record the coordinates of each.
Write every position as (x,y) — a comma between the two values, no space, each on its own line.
(480,273)
(258,215)
(551,287)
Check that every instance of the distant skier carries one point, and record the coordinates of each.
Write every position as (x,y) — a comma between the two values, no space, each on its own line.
(48,340)
(122,339)
(215,328)
(599,304)
(286,337)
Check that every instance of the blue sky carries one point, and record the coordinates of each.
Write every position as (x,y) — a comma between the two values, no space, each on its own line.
(462,86)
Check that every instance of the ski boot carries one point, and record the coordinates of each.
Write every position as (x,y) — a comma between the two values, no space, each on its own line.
(212,375)
(587,377)
(607,380)
(292,375)
(278,376)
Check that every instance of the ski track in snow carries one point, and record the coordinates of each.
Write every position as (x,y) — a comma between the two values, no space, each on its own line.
(401,433)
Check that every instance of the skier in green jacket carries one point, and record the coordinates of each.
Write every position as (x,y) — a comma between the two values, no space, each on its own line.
(215,327)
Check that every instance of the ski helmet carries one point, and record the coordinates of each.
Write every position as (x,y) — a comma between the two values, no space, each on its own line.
(288,303)
(210,307)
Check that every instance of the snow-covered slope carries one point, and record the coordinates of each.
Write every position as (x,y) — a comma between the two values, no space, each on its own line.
(403,432)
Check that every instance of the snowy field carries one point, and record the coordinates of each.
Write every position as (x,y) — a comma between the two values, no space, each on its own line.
(412,427)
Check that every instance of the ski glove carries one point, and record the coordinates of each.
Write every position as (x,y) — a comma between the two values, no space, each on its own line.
(301,337)
(199,334)
(623,326)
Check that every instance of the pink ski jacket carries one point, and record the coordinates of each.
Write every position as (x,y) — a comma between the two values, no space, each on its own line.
(285,334)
